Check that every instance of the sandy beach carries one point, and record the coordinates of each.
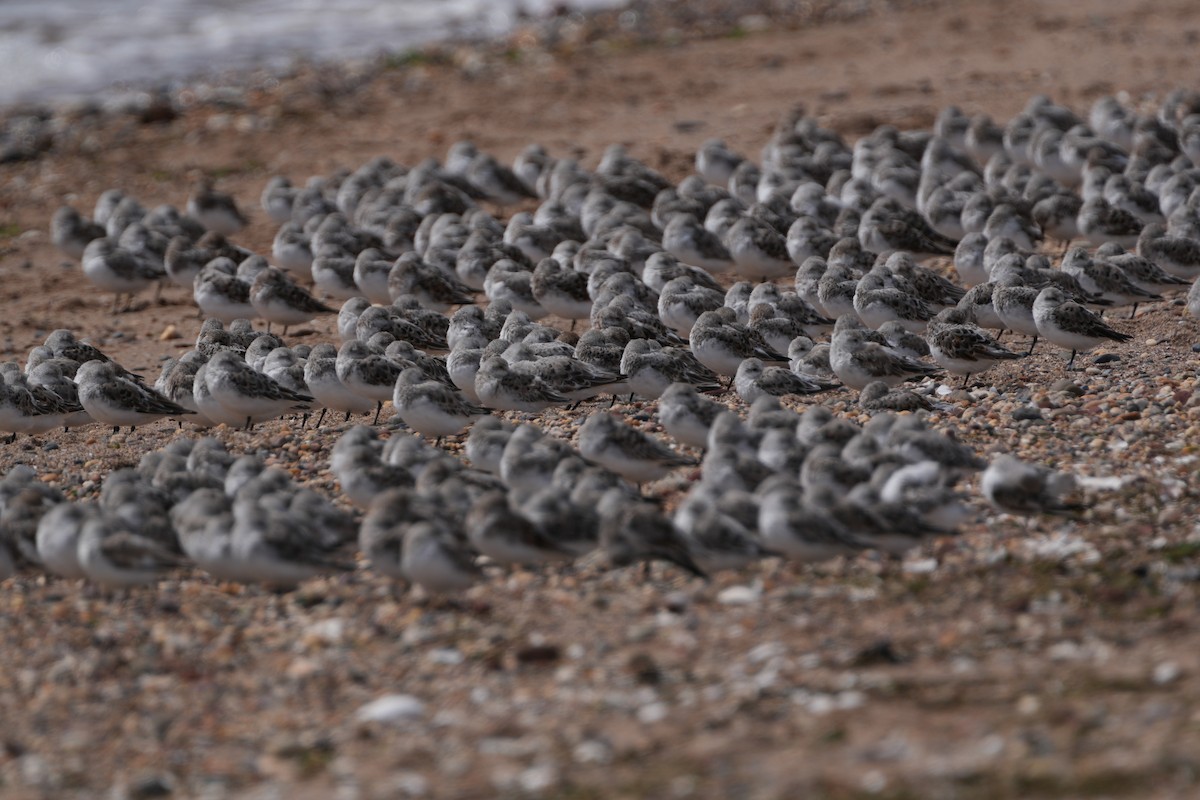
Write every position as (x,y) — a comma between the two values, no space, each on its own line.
(1057,661)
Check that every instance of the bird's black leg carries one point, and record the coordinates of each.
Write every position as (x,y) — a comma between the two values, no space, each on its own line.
(320,417)
(1032,345)
(378,408)
(1133,313)
(1072,361)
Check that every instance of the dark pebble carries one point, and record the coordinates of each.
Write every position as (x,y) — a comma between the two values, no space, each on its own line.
(644,670)
(1196,347)
(50,446)
(538,654)
(881,652)
(152,786)
(1107,358)
(1067,385)
(1027,412)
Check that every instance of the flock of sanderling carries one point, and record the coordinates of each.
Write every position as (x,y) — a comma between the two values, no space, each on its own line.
(653,269)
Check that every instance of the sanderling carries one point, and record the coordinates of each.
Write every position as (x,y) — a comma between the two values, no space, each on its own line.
(835,291)
(1193,300)
(1099,222)
(57,537)
(177,384)
(500,386)
(808,279)
(530,458)
(277,197)
(686,415)
(507,536)
(215,210)
(1058,215)
(562,291)
(1142,271)
(1014,306)
(650,369)
(663,267)
(932,288)
(636,531)
(292,250)
(117,270)
(432,287)
(367,373)
(686,239)
(333,273)
(737,298)
(1068,325)
(1124,193)
(432,408)
(979,301)
(877,396)
(961,347)
(858,361)
(50,377)
(1017,487)
(778,324)
(758,249)
(682,301)
(715,162)
(221,294)
(805,357)
(789,526)
(567,376)
(627,451)
(248,394)
(721,344)
(111,554)
(717,540)
(283,539)
(438,560)
(320,375)
(110,398)
(497,182)
(903,341)
(362,474)
(382,532)
(507,281)
(71,232)
(485,443)
(876,303)
(1177,255)
(888,225)
(753,380)
(278,300)
(1102,279)
(1005,221)
(534,240)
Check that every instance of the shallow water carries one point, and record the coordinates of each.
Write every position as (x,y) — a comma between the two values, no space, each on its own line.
(56,50)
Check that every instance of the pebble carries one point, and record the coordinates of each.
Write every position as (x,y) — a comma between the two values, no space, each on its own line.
(1027,412)
(392,709)
(1107,358)
(739,595)
(1166,672)
(1067,385)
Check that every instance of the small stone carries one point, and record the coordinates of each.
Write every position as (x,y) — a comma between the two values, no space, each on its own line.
(1068,386)
(151,786)
(170,332)
(676,602)
(538,779)
(1196,347)
(538,654)
(392,709)
(652,713)
(1027,412)
(739,595)
(49,447)
(1028,705)
(1166,672)
(1107,358)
